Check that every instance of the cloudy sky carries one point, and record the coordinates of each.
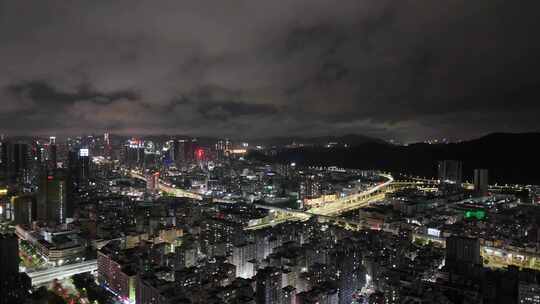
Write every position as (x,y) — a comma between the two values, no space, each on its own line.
(403,69)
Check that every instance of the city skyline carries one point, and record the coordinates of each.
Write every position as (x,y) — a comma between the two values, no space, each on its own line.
(166,220)
(404,71)
(269,152)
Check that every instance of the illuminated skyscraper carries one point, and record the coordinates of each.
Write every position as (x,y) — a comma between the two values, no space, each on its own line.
(79,165)
(84,163)
(310,187)
(134,153)
(220,149)
(107,149)
(52,203)
(241,257)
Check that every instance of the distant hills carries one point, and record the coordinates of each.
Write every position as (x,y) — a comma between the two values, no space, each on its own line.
(510,158)
(350,139)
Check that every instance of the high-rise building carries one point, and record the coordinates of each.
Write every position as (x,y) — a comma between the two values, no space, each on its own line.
(14,161)
(9,255)
(73,165)
(120,278)
(463,249)
(450,171)
(24,209)
(107,148)
(223,148)
(481,181)
(178,146)
(79,165)
(190,147)
(134,153)
(52,154)
(220,149)
(52,157)
(310,187)
(84,163)
(462,254)
(178,151)
(351,274)
(53,205)
(169,152)
(41,154)
(184,257)
(242,257)
(14,286)
(269,289)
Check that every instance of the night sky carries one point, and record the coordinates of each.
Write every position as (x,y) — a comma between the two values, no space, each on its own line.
(402,69)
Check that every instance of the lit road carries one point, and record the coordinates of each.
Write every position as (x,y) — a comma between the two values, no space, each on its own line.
(280,216)
(61,272)
(330,210)
(176,192)
(353,201)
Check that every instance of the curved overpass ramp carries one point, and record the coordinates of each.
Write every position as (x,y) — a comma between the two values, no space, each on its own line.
(331,209)
(176,192)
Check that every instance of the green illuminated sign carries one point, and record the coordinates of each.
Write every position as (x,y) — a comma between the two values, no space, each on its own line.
(478,214)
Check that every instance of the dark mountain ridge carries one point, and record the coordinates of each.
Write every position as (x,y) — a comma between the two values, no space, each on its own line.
(510,158)
(349,139)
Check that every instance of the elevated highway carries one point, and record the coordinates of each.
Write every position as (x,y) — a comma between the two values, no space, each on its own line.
(46,276)
(330,211)
(167,188)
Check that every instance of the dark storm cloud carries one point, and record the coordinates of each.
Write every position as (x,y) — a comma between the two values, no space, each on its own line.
(43,93)
(215,103)
(402,69)
(231,109)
